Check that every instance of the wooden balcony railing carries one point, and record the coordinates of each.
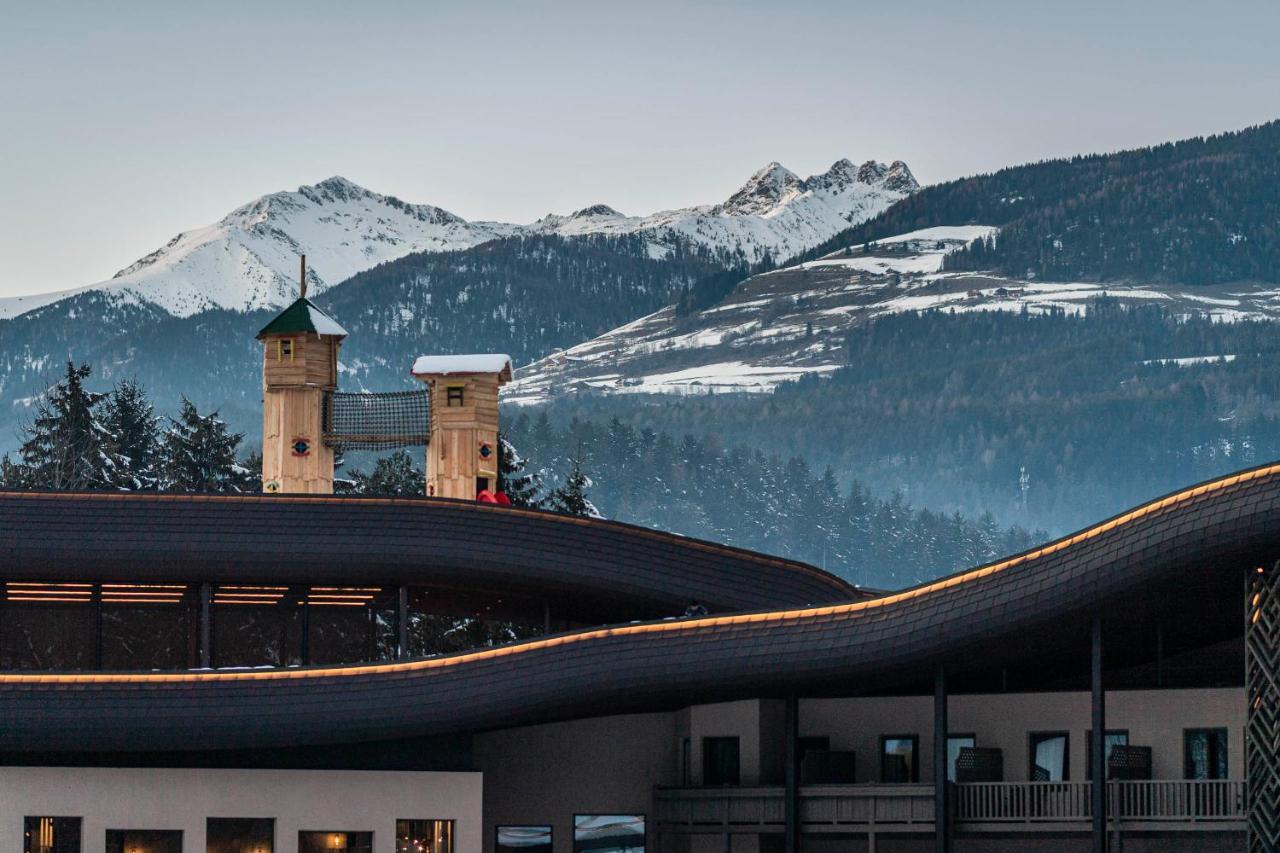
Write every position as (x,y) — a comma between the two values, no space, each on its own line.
(1129,802)
(823,808)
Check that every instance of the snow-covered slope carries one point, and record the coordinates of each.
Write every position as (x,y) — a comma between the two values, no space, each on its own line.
(781,325)
(249,259)
(775,212)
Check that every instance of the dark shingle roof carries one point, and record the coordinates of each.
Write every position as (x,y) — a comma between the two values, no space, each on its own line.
(303,316)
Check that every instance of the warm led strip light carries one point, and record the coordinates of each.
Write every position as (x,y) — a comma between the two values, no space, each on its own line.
(662,627)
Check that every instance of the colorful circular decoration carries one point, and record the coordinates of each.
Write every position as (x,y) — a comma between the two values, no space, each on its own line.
(486,450)
(271,486)
(301,447)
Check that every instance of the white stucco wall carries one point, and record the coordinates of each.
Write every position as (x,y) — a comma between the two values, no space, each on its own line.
(332,800)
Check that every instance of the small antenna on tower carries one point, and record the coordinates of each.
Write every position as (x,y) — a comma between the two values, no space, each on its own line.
(302,278)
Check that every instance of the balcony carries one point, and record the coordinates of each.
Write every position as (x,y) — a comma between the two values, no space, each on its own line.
(1135,806)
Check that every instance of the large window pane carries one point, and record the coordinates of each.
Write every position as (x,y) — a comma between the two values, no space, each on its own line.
(608,833)
(898,762)
(445,621)
(720,761)
(51,835)
(148,626)
(1205,753)
(50,627)
(1115,737)
(350,624)
(311,841)
(144,841)
(1049,757)
(424,836)
(239,835)
(256,626)
(955,743)
(523,839)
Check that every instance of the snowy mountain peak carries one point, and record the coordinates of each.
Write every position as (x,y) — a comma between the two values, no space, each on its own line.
(763,191)
(900,179)
(595,211)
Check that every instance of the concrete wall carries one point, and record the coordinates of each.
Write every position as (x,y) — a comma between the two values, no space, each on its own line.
(333,800)
(544,775)
(1154,718)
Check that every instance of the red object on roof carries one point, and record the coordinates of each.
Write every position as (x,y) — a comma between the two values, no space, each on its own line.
(502,499)
(484,496)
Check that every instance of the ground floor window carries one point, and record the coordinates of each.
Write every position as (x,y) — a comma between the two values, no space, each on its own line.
(1049,757)
(955,743)
(898,762)
(51,835)
(424,836)
(1115,737)
(595,833)
(331,841)
(144,841)
(523,839)
(240,835)
(721,761)
(1205,753)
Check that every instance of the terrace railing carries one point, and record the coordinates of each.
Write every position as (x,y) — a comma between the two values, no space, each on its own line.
(1129,802)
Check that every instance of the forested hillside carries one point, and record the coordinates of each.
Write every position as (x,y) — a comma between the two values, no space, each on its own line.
(741,496)
(1045,421)
(1197,211)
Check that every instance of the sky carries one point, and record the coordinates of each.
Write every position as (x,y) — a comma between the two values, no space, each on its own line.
(123,124)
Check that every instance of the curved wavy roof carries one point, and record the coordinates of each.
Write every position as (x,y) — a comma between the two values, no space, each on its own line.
(590,566)
(1195,541)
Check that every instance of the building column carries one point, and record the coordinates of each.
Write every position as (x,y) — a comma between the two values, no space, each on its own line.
(1262,719)
(206,635)
(1098,748)
(402,622)
(791,775)
(941,805)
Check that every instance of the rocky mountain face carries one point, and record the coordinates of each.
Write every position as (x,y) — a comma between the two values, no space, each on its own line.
(249,259)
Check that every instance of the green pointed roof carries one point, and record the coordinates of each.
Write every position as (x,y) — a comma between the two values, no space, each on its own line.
(302,316)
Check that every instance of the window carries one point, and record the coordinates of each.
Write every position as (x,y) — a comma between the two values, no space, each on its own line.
(148,626)
(334,841)
(424,836)
(48,626)
(594,833)
(523,839)
(51,835)
(898,759)
(686,761)
(1048,757)
(240,835)
(1204,753)
(144,841)
(284,349)
(955,743)
(256,626)
(720,761)
(1115,737)
(453,395)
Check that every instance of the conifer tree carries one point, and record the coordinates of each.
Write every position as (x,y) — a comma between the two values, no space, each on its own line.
(396,475)
(520,486)
(200,453)
(133,436)
(571,498)
(65,444)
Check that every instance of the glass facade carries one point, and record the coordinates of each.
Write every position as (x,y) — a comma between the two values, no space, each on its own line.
(51,835)
(144,841)
(594,833)
(424,836)
(240,835)
(335,841)
(522,839)
(446,621)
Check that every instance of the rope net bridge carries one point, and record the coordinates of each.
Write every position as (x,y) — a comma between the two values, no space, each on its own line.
(377,421)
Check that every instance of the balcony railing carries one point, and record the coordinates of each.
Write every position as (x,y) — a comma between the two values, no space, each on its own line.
(994,806)
(1128,802)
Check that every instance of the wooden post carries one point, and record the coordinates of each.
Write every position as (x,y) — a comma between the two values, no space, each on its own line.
(302,276)
(941,826)
(1098,748)
(791,775)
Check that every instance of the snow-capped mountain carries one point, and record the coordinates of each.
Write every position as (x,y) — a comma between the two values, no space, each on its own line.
(780,325)
(249,259)
(775,213)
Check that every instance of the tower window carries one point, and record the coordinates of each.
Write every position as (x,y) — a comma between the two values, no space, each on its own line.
(284,349)
(453,395)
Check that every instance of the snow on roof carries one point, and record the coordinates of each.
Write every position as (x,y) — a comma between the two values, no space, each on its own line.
(476,363)
(323,323)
